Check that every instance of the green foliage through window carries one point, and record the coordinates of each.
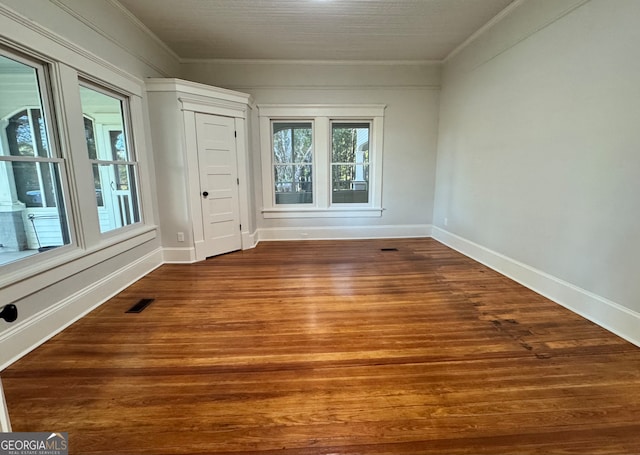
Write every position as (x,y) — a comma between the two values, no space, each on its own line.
(350,162)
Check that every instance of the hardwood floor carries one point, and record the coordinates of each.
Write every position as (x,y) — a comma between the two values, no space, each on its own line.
(332,348)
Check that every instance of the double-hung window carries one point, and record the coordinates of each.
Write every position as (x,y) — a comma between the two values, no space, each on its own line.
(112,158)
(33,217)
(350,162)
(293,162)
(59,200)
(321,160)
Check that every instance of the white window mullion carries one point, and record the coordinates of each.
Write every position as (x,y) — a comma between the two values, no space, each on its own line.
(73,140)
(322,181)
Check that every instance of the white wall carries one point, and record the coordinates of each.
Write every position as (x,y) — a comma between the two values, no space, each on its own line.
(98,39)
(104,28)
(411,95)
(538,149)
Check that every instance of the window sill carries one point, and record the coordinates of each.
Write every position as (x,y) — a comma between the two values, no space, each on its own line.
(20,276)
(347,212)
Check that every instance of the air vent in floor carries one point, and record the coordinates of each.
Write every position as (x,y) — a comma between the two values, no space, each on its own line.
(388,249)
(141,305)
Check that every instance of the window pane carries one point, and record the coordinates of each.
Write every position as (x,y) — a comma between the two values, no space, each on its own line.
(284,178)
(90,137)
(292,157)
(41,223)
(97,185)
(350,163)
(33,218)
(118,146)
(35,183)
(39,132)
(107,115)
(117,202)
(19,135)
(282,151)
(113,168)
(27,184)
(303,145)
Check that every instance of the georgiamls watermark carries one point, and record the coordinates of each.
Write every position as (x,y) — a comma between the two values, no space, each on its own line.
(34,444)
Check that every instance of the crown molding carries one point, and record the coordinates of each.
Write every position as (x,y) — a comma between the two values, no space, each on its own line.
(138,23)
(155,84)
(312,62)
(484,29)
(503,15)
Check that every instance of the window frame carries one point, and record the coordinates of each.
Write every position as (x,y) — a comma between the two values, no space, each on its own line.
(293,163)
(332,163)
(132,153)
(46,79)
(322,117)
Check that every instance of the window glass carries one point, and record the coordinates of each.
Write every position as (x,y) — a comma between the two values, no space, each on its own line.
(32,210)
(350,163)
(293,162)
(113,162)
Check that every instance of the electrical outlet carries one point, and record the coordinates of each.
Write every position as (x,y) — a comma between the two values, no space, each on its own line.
(446,221)
(180,236)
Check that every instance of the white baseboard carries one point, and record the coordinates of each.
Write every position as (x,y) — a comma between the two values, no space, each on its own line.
(179,255)
(344,232)
(35,330)
(189,256)
(249,240)
(607,314)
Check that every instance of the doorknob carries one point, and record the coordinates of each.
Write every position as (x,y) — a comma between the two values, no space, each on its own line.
(205,193)
(9,313)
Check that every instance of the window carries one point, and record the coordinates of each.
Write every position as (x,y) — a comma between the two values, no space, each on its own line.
(112,159)
(349,162)
(321,160)
(33,217)
(65,180)
(292,163)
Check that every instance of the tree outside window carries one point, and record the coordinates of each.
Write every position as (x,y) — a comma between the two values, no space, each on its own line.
(293,162)
(350,162)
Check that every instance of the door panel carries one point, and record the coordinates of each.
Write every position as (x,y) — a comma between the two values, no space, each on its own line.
(218,178)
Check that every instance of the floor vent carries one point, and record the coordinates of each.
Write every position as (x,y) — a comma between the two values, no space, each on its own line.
(141,305)
(388,249)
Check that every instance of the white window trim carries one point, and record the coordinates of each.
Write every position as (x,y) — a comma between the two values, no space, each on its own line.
(321,116)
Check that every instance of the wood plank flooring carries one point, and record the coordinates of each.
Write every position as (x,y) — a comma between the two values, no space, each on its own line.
(332,348)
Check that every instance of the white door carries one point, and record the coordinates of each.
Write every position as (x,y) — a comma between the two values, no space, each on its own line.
(218,183)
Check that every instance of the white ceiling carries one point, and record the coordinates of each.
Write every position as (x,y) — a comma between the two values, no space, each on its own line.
(314,29)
